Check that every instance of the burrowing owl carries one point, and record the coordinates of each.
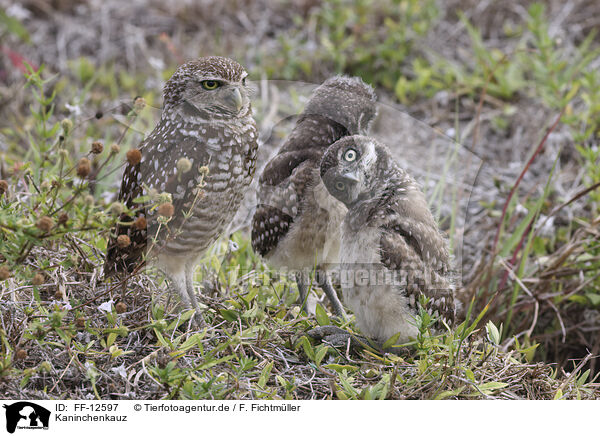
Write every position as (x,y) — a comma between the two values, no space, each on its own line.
(199,159)
(392,251)
(296,224)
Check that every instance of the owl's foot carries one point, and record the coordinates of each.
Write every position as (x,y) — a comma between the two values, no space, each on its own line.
(198,320)
(338,337)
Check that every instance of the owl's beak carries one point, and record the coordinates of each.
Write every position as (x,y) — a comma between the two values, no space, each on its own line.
(351,176)
(234,99)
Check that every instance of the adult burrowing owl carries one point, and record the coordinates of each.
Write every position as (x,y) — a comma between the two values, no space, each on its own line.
(296,224)
(198,159)
(392,252)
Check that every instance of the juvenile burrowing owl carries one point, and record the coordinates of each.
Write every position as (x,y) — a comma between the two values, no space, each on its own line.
(296,223)
(392,252)
(195,164)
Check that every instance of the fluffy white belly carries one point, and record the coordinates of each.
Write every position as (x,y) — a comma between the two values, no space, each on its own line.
(378,303)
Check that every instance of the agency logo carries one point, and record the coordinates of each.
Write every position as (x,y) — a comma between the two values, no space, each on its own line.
(26,415)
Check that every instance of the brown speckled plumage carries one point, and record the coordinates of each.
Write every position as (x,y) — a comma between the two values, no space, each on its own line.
(210,128)
(390,233)
(296,224)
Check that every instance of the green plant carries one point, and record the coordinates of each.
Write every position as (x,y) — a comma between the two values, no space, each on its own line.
(368,38)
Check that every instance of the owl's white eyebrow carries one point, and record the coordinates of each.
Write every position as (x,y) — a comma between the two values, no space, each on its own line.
(244,75)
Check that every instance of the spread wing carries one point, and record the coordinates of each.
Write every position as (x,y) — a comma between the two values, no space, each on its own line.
(416,254)
(280,204)
(285,179)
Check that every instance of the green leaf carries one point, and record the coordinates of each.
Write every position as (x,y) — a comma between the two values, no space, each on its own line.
(307,347)
(339,368)
(111,339)
(392,341)
(452,393)
(212,363)
(488,388)
(493,334)
(322,351)
(594,298)
(321,315)
(164,342)
(229,315)
(264,375)
(185,316)
(583,378)
(470,375)
(14,26)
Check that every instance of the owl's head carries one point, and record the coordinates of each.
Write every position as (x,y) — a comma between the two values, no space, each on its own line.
(346,100)
(208,87)
(350,166)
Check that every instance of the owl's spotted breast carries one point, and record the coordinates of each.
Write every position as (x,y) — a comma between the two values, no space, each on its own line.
(199,158)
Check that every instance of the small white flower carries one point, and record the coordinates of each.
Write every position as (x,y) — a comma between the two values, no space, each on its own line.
(74,109)
(120,370)
(106,306)
(156,63)
(17,11)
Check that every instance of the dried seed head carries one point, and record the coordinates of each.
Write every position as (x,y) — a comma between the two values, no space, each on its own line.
(62,219)
(38,279)
(140,223)
(80,322)
(83,167)
(166,209)
(89,200)
(115,148)
(45,367)
(21,354)
(134,156)
(138,104)
(120,307)
(4,272)
(58,295)
(45,185)
(184,165)
(67,126)
(97,147)
(123,241)
(153,194)
(64,154)
(3,187)
(45,224)
(164,197)
(203,170)
(116,208)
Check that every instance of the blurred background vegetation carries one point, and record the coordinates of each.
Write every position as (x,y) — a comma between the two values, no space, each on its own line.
(516,83)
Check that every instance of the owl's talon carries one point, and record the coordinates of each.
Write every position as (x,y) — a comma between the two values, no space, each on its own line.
(198,320)
(337,337)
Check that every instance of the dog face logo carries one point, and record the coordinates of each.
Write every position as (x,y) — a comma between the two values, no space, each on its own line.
(26,415)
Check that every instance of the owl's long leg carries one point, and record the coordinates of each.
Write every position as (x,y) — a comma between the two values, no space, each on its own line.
(302,282)
(177,284)
(189,290)
(325,281)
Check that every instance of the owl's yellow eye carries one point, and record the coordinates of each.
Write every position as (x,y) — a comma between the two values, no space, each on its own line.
(350,155)
(210,84)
